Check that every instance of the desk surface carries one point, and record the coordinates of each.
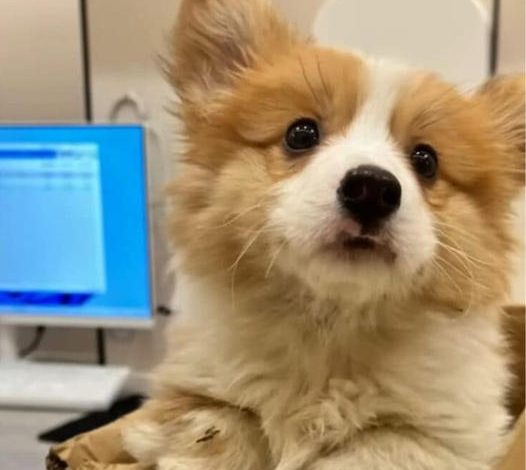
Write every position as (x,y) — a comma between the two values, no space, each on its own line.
(19,448)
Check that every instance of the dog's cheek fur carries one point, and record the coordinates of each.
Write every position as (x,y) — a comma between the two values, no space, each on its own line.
(470,201)
(216,214)
(471,266)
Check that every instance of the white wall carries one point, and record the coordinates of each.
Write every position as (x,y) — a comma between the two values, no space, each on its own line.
(511,52)
(511,59)
(40,61)
(301,13)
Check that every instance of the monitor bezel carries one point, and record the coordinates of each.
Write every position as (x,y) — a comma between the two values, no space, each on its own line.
(65,319)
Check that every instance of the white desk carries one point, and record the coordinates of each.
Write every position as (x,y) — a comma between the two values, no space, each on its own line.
(19,448)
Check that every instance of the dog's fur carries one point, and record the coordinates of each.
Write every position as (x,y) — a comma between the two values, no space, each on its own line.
(286,355)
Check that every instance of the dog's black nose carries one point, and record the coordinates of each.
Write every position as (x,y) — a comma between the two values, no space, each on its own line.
(370,194)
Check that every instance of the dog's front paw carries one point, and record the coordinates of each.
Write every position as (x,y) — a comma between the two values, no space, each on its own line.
(336,415)
(171,437)
(325,423)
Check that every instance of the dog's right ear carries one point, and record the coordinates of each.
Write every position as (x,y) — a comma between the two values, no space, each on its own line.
(213,40)
(504,101)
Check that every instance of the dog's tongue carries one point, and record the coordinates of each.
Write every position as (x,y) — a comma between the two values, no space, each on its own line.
(351,228)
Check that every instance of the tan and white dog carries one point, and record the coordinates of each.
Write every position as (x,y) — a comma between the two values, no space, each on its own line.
(343,244)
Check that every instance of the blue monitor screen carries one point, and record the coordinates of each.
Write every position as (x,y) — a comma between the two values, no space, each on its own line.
(73,222)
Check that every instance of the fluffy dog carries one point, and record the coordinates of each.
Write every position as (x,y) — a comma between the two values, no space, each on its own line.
(343,244)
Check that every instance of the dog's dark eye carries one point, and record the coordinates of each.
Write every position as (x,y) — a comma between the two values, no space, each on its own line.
(302,135)
(425,161)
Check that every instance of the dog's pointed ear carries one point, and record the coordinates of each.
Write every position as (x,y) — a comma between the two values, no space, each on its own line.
(215,39)
(504,99)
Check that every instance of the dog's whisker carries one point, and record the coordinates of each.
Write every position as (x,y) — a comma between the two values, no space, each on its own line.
(444,230)
(461,253)
(470,276)
(456,228)
(467,276)
(244,251)
(465,273)
(275,258)
(444,272)
(458,254)
(247,247)
(239,215)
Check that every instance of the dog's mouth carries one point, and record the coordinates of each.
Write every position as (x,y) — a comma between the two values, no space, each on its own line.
(348,247)
(359,243)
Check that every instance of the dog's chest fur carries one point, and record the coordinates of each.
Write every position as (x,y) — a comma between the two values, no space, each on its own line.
(333,376)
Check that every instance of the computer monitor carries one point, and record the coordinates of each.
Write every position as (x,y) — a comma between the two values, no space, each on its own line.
(74,241)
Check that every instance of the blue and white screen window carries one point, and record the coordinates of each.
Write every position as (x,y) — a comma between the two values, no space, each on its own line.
(59,187)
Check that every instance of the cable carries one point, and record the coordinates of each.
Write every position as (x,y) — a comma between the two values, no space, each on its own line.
(35,342)
(101,347)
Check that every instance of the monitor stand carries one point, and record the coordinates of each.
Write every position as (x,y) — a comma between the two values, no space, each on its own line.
(47,385)
(8,343)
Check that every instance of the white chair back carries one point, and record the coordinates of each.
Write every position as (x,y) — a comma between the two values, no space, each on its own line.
(451,37)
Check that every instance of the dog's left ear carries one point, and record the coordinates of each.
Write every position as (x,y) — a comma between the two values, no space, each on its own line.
(503,99)
(214,40)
